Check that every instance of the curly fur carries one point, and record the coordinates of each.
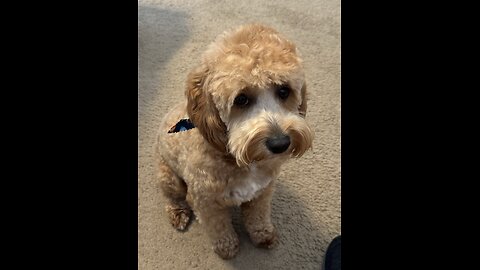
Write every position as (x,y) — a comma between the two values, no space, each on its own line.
(224,161)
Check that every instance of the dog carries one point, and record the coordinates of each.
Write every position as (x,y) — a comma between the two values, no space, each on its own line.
(243,117)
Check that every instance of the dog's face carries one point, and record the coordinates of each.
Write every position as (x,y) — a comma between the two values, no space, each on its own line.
(248,97)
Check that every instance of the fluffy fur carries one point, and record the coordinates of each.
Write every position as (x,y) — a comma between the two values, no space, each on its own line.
(224,161)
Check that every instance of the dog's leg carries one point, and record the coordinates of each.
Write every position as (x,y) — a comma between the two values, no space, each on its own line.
(175,190)
(257,219)
(217,221)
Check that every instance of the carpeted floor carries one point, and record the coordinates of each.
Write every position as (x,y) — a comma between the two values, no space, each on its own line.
(306,205)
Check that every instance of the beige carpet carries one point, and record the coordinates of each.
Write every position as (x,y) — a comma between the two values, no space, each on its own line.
(306,205)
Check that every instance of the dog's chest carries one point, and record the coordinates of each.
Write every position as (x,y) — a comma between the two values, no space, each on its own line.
(247,186)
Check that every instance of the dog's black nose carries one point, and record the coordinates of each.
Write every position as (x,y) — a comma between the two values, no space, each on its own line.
(278,144)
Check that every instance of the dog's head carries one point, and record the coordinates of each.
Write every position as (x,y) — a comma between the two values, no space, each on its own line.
(248,96)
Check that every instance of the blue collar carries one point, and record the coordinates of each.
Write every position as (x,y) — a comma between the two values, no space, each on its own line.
(182,125)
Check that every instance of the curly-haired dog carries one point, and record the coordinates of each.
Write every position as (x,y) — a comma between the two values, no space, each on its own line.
(243,118)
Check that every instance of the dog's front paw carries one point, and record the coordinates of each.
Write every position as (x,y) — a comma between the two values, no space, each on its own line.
(265,238)
(227,247)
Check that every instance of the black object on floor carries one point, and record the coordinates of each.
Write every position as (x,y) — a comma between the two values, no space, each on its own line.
(333,255)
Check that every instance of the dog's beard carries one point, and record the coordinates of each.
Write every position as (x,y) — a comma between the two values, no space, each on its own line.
(247,138)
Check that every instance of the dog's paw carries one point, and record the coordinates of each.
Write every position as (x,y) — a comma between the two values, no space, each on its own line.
(227,247)
(179,216)
(265,238)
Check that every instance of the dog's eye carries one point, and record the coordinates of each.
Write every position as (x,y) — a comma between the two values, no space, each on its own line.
(283,91)
(241,100)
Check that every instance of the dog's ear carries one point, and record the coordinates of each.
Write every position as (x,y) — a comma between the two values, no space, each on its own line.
(302,109)
(202,111)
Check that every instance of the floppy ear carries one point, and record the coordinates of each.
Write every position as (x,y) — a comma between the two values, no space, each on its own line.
(302,109)
(202,111)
